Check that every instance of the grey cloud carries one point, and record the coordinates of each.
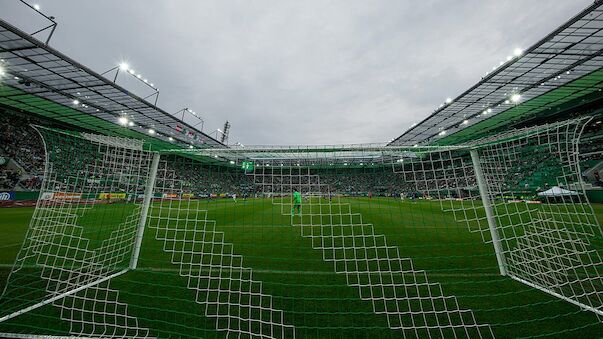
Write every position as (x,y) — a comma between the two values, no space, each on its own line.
(305,72)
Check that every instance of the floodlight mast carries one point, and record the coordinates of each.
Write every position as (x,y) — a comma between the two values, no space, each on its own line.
(215,133)
(222,132)
(192,113)
(123,66)
(52,26)
(225,132)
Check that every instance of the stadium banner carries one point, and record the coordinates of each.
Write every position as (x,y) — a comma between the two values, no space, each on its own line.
(155,196)
(25,195)
(170,196)
(66,196)
(188,195)
(7,196)
(111,196)
(47,196)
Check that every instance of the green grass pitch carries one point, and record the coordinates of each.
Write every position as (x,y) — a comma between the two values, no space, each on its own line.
(315,299)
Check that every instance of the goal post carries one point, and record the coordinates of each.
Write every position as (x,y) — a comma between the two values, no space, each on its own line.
(388,241)
(82,233)
(483,190)
(149,192)
(552,244)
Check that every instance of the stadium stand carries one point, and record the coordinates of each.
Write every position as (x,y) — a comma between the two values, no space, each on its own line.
(22,147)
(23,151)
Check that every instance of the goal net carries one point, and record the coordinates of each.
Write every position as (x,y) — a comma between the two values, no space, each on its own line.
(494,238)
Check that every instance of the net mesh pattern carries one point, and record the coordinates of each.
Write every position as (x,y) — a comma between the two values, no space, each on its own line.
(494,238)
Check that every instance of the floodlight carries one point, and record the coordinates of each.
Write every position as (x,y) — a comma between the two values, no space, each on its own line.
(151,131)
(124,66)
(448,100)
(465,122)
(123,121)
(171,139)
(190,146)
(36,7)
(517,52)
(130,123)
(515,97)
(76,102)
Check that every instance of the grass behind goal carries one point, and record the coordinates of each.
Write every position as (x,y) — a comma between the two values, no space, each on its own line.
(305,287)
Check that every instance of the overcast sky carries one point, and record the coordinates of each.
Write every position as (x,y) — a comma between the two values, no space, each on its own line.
(300,72)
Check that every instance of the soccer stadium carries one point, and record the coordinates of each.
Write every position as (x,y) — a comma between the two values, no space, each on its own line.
(121,220)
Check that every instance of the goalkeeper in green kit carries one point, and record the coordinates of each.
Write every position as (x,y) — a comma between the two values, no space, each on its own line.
(297,199)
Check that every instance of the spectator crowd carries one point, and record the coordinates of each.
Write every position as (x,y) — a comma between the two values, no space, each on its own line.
(22,167)
(20,143)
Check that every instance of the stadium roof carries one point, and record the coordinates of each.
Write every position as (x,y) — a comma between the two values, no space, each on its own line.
(364,155)
(323,156)
(42,80)
(564,66)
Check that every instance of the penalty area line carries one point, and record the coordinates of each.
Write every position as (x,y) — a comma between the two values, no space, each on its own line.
(270,271)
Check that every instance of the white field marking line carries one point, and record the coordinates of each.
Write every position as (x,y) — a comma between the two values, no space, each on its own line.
(38,336)
(11,245)
(41,336)
(344,225)
(224,269)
